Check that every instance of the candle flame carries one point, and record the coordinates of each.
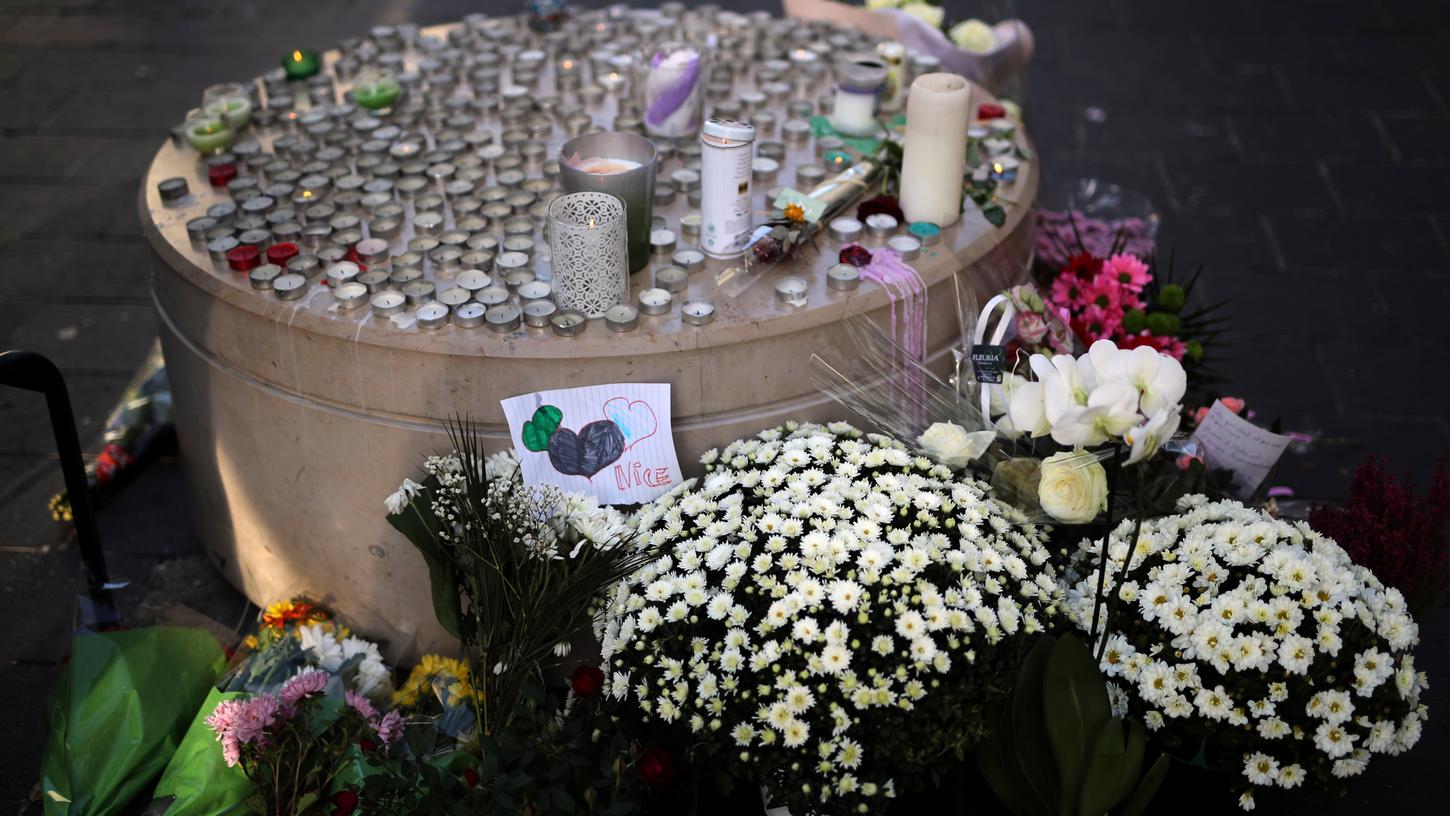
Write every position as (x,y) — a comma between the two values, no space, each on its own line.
(996,167)
(568,65)
(296,56)
(591,222)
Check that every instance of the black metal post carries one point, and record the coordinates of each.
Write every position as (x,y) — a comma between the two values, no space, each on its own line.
(33,372)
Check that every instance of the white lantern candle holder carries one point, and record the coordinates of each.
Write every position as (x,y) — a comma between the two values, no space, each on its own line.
(590,248)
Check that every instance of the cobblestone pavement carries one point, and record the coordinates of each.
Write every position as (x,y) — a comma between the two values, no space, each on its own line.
(1299,149)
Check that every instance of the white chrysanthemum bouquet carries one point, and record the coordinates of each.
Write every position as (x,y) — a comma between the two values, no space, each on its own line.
(1255,644)
(830,614)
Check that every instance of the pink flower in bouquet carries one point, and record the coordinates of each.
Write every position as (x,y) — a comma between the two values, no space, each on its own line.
(1234,404)
(231,750)
(390,727)
(1128,271)
(256,716)
(1096,323)
(1107,294)
(299,686)
(223,718)
(361,705)
(1067,291)
(1171,346)
(1031,327)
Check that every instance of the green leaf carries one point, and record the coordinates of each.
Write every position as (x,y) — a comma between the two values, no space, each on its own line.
(420,526)
(1032,752)
(995,215)
(1138,803)
(1132,760)
(538,430)
(1075,705)
(1104,771)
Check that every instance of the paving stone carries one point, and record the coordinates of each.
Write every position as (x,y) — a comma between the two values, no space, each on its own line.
(1221,245)
(1200,136)
(1361,370)
(77,268)
(1420,139)
(1243,87)
(1277,302)
(1417,303)
(26,726)
(1308,137)
(81,209)
(26,428)
(70,157)
(1143,176)
(1359,244)
(1375,88)
(1248,188)
(1374,190)
(39,589)
(1327,17)
(1299,49)
(95,338)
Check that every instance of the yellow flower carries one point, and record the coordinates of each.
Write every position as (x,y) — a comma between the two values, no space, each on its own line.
(925,12)
(795,212)
(251,642)
(973,35)
(435,672)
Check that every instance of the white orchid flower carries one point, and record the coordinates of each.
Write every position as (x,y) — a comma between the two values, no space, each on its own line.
(1111,409)
(1066,382)
(1160,379)
(1026,411)
(1147,438)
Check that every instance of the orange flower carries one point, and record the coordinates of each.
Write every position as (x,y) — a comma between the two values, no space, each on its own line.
(281,613)
(795,212)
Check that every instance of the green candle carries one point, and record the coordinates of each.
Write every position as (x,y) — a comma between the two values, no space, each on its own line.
(236,111)
(301,63)
(376,92)
(209,134)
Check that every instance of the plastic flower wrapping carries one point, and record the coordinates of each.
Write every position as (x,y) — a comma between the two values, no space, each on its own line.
(1253,644)
(298,635)
(830,612)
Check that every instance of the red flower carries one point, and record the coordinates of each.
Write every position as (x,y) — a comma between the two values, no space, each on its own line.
(656,767)
(855,255)
(344,802)
(881,204)
(586,681)
(367,744)
(990,110)
(470,777)
(1083,265)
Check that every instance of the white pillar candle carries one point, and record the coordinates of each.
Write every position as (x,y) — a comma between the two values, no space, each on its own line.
(935,152)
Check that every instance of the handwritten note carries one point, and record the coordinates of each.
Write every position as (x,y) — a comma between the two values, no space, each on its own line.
(612,442)
(1232,443)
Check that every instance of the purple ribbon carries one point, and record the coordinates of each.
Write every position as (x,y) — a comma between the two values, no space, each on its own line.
(907,292)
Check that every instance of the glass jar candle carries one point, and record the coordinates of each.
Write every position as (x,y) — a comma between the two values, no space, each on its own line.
(208,133)
(230,102)
(376,90)
(861,80)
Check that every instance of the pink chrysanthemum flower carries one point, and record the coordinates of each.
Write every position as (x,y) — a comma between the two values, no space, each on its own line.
(361,705)
(223,718)
(390,728)
(302,685)
(257,714)
(1128,271)
(231,750)
(1067,291)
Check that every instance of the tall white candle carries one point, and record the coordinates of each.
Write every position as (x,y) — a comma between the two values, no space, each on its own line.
(936,148)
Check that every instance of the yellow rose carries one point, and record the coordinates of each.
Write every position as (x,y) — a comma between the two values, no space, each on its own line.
(925,12)
(1073,489)
(973,35)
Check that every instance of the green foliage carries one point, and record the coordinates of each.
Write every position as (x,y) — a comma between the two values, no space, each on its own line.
(1134,321)
(1056,750)
(1171,297)
(1163,324)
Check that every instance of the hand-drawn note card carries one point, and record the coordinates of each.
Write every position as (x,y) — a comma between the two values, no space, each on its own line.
(612,442)
(1232,443)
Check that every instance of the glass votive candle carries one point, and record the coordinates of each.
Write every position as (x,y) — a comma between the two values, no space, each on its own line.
(208,133)
(861,79)
(230,102)
(376,90)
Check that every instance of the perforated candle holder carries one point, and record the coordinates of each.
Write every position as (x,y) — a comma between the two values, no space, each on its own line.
(590,249)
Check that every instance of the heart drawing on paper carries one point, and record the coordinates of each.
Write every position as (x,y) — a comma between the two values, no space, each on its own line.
(636,419)
(597,446)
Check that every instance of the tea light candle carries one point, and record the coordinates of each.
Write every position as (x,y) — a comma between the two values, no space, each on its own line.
(568,323)
(1004,169)
(925,231)
(492,295)
(341,272)
(538,313)
(691,260)
(845,230)
(837,160)
(289,286)
(661,242)
(243,257)
(621,317)
(690,225)
(301,64)
(469,315)
(654,301)
(791,290)
(906,246)
(454,296)
(473,280)
(418,291)
(880,225)
(697,312)
(843,277)
(796,130)
(764,169)
(432,316)
(509,262)
(350,295)
(262,276)
(209,134)
(534,290)
(514,280)
(672,278)
(503,318)
(172,189)
(376,90)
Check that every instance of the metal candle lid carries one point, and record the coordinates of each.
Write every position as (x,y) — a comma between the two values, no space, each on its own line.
(697,312)
(569,323)
(843,277)
(654,301)
(845,230)
(621,317)
(432,316)
(537,313)
(262,276)
(388,303)
(469,315)
(351,295)
(503,318)
(690,260)
(289,286)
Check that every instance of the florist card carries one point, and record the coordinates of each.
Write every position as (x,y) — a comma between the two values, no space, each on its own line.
(1233,443)
(612,442)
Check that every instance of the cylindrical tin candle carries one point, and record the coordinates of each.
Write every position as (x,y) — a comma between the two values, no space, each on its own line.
(726,149)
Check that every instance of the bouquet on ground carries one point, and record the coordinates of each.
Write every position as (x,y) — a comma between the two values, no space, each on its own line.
(830,615)
(1245,642)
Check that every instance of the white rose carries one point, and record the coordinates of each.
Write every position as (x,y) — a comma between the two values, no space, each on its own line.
(952,445)
(973,35)
(925,12)
(1071,490)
